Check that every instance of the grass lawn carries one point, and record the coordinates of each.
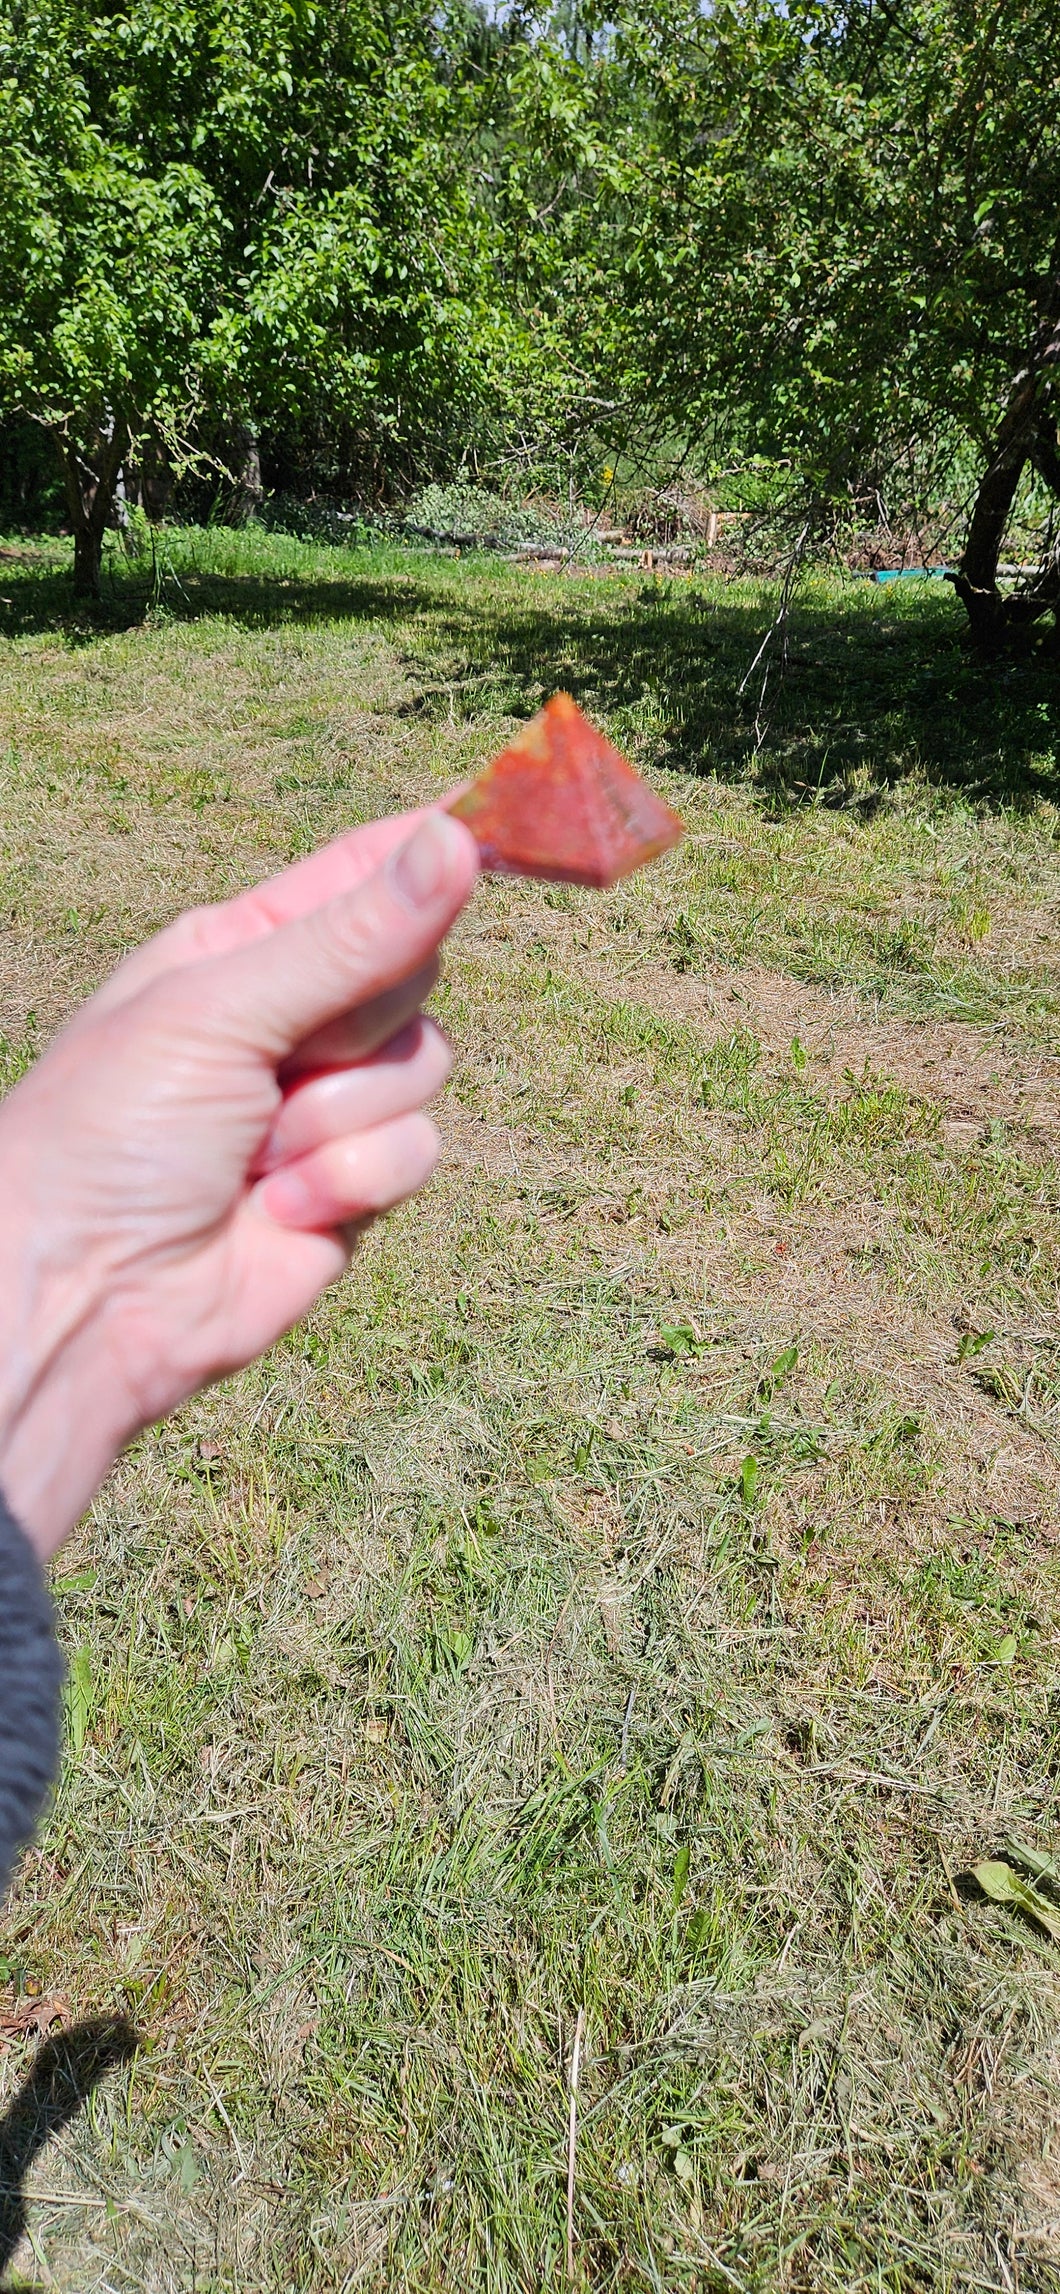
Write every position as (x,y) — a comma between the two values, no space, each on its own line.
(623,1615)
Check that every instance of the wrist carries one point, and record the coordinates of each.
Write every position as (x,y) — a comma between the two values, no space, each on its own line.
(54,1452)
(62,1422)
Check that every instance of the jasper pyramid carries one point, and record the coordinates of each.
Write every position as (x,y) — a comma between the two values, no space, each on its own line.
(561,802)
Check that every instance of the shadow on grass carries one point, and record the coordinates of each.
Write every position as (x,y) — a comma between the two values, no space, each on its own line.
(875,688)
(60,2081)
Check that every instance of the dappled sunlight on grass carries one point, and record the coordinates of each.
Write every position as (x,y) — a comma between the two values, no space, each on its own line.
(869,686)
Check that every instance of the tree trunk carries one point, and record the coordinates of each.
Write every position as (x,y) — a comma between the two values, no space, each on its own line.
(1024,436)
(1045,452)
(976,579)
(90,479)
(149,480)
(1044,591)
(88,556)
(245,461)
(131,539)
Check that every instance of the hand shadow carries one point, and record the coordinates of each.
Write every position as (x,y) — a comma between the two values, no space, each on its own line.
(61,2079)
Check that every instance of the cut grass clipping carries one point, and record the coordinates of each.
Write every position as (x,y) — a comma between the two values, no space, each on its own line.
(531,1740)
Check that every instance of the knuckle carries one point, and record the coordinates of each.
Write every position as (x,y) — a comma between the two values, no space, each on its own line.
(352,933)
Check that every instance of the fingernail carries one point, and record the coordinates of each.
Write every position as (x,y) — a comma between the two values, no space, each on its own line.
(288,1198)
(419,868)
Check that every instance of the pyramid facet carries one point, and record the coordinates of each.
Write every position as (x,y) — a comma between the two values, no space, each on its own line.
(560,802)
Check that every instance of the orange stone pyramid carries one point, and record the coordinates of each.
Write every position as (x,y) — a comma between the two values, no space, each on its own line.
(561,802)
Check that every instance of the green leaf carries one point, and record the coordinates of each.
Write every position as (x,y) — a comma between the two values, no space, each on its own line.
(1004,1886)
(1005,1651)
(78,1698)
(83,1581)
(682,1860)
(187,2168)
(1032,1860)
(783,1366)
(749,1480)
(680,1338)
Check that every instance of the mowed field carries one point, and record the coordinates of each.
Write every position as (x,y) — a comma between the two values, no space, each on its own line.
(615,1625)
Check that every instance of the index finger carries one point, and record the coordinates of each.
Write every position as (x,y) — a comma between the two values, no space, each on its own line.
(203,932)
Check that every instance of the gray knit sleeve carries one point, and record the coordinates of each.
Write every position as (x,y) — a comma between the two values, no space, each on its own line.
(31,1675)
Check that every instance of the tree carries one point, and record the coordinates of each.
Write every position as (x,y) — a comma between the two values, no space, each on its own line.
(233,213)
(105,276)
(842,229)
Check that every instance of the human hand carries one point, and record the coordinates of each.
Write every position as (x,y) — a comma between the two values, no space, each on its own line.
(190,1162)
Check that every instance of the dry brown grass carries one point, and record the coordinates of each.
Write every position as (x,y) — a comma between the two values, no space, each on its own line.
(637,1588)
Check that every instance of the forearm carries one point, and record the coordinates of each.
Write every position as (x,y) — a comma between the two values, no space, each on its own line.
(30,1682)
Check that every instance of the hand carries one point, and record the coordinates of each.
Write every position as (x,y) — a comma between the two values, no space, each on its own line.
(191,1161)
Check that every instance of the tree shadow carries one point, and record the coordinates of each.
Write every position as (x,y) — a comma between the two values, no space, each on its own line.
(873,688)
(60,2081)
(866,695)
(37,601)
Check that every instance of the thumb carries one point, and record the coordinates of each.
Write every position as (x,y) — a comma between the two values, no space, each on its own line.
(273,993)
